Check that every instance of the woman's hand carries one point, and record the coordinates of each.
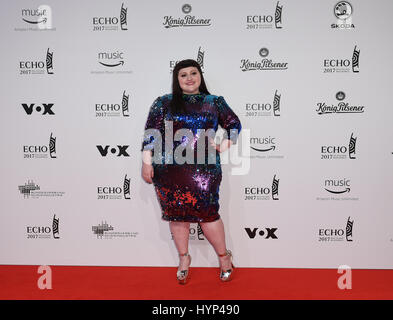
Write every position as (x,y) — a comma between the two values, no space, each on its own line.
(225,144)
(147,172)
(147,167)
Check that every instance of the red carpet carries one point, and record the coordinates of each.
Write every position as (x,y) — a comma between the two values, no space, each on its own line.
(147,283)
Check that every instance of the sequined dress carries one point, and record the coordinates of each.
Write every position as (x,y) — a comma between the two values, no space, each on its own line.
(189,192)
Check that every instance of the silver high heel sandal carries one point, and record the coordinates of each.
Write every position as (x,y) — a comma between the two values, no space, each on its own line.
(226,275)
(182,275)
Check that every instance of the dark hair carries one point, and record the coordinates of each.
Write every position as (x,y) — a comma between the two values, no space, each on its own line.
(177,103)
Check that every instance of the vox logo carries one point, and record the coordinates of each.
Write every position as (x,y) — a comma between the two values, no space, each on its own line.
(44,108)
(118,150)
(266,233)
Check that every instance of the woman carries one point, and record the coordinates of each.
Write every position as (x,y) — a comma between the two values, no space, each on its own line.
(189,192)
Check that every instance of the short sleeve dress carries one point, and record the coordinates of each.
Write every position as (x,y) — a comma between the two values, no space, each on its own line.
(188,192)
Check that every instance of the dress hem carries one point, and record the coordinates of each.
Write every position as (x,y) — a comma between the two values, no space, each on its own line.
(196,220)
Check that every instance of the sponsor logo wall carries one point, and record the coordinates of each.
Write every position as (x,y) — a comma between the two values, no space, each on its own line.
(310,81)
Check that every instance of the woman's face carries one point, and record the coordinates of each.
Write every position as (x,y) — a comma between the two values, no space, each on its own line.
(189,80)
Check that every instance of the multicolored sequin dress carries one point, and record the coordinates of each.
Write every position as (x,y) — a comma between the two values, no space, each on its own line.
(189,192)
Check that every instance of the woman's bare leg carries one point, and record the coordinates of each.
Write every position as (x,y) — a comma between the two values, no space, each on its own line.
(180,232)
(215,234)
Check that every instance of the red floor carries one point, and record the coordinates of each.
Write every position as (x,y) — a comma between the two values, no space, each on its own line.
(147,283)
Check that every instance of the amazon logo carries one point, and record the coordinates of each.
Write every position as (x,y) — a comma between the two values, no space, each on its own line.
(43,21)
(111,59)
(337,186)
(263,144)
(39,17)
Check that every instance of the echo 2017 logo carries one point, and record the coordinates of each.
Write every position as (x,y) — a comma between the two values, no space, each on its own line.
(337,234)
(44,232)
(332,152)
(264,109)
(266,21)
(115,192)
(262,193)
(113,109)
(340,65)
(111,23)
(33,66)
(41,151)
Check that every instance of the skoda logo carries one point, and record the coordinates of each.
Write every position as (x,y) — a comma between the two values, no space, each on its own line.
(343,10)
(264,52)
(186,8)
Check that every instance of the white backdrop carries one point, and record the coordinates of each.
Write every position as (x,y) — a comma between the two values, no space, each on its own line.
(330,210)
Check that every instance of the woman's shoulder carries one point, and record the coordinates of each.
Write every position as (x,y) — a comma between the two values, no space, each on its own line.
(167,96)
(213,98)
(163,100)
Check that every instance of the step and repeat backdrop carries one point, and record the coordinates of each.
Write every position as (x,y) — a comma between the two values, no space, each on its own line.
(311,82)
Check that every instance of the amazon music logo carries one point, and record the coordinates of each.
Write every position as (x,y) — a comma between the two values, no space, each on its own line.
(117,151)
(111,59)
(337,189)
(265,144)
(113,109)
(37,66)
(337,186)
(334,152)
(42,109)
(115,192)
(264,109)
(113,62)
(340,65)
(264,148)
(343,12)
(200,58)
(267,21)
(263,64)
(261,233)
(36,19)
(253,193)
(41,151)
(39,231)
(335,234)
(187,20)
(338,107)
(111,23)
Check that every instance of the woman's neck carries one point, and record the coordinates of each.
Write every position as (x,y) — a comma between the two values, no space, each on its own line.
(188,93)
